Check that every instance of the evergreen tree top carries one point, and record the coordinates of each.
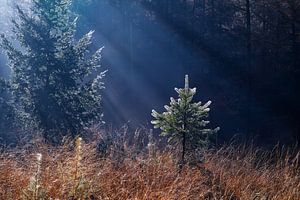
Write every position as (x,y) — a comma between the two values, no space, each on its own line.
(182,116)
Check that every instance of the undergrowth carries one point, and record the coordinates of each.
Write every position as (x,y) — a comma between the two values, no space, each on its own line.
(78,170)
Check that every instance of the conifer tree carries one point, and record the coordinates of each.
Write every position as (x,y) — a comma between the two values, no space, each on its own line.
(184,121)
(55,79)
(7,124)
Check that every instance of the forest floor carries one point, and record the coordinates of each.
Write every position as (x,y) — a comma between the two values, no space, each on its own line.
(78,170)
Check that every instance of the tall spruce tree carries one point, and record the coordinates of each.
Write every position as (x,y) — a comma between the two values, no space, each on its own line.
(55,79)
(184,122)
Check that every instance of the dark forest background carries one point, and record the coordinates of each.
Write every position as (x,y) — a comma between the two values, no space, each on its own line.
(244,55)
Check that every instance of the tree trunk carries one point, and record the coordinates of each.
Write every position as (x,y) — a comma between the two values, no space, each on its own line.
(294,34)
(264,48)
(249,64)
(248,35)
(182,162)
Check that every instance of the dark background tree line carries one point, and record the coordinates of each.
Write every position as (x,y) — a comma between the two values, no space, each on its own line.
(242,54)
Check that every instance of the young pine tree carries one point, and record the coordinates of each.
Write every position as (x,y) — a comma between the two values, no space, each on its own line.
(184,121)
(55,80)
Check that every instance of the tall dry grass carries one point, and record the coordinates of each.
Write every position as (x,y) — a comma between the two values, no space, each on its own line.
(78,170)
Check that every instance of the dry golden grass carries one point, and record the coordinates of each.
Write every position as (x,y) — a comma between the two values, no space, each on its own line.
(77,171)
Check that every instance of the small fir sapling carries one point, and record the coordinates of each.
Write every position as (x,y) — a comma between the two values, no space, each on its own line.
(184,121)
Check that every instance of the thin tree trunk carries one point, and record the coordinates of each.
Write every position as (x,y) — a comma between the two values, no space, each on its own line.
(278,41)
(249,63)
(182,163)
(248,35)
(264,48)
(294,33)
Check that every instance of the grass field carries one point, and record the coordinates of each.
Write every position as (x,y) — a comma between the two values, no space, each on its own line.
(77,170)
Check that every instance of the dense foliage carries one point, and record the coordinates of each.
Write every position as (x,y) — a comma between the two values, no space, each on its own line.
(55,81)
(8,125)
